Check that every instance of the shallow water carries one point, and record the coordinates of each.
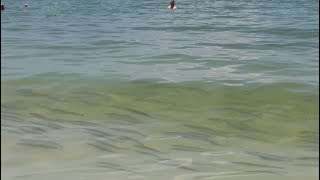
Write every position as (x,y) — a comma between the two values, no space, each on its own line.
(102,90)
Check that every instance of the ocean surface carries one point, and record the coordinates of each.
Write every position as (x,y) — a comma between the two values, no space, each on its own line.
(128,89)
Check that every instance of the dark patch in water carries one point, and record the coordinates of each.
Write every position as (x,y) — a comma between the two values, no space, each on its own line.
(83,123)
(128,131)
(155,100)
(129,139)
(309,136)
(308,158)
(148,153)
(47,124)
(242,111)
(201,128)
(268,156)
(66,112)
(242,126)
(32,130)
(97,133)
(135,111)
(112,166)
(10,129)
(11,118)
(256,165)
(123,117)
(104,145)
(39,116)
(311,165)
(148,148)
(100,147)
(9,112)
(30,92)
(256,171)
(39,144)
(187,168)
(188,148)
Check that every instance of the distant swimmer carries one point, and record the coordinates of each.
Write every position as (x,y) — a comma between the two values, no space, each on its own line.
(172,6)
(2,7)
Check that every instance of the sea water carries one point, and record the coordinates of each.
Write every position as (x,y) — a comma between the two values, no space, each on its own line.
(131,90)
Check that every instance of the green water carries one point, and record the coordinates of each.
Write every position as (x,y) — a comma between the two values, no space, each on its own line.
(69,125)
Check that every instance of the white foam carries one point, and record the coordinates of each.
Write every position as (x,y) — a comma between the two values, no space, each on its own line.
(228,84)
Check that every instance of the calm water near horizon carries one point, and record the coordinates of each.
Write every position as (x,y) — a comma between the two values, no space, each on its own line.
(130,90)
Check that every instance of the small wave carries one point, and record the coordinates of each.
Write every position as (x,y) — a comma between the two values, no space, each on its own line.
(228,84)
(161,138)
(225,174)
(216,153)
(40,143)
(162,165)
(113,155)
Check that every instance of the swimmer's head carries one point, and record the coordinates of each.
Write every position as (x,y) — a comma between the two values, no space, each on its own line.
(172,3)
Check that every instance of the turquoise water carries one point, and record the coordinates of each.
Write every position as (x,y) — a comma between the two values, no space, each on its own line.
(131,90)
